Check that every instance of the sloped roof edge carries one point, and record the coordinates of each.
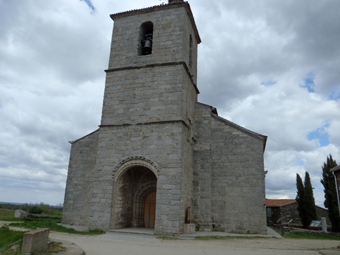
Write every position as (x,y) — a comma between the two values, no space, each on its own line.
(72,142)
(279,202)
(283,202)
(238,127)
(335,168)
(173,5)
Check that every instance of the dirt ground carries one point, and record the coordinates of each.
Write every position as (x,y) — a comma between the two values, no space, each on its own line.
(118,243)
(142,245)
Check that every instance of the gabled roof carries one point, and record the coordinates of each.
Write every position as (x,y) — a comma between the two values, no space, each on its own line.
(335,168)
(72,142)
(279,202)
(234,125)
(172,5)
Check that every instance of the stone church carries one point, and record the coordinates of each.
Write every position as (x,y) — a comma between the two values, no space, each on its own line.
(160,159)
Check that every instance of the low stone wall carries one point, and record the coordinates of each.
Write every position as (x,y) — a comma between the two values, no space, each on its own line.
(20,214)
(35,241)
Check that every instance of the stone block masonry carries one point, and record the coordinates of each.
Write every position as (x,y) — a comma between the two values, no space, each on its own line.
(35,241)
(157,151)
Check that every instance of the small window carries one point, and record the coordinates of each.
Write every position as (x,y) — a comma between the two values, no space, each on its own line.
(269,212)
(190,51)
(145,38)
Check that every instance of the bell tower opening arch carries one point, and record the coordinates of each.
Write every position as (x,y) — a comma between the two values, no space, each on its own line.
(134,194)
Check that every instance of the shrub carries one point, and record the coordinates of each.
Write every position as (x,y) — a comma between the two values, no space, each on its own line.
(36,210)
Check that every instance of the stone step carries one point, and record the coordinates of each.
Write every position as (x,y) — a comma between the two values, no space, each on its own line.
(142,231)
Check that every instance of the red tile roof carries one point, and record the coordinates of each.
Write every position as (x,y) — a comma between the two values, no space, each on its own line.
(335,168)
(279,202)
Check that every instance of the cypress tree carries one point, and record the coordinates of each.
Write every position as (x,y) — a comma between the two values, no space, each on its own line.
(331,200)
(309,202)
(299,198)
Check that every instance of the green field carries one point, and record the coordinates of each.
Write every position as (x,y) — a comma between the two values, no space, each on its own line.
(4,213)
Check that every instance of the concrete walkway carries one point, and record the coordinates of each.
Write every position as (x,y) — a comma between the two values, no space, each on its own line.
(71,248)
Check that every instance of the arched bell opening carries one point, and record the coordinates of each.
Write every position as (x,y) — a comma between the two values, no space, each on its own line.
(130,200)
(145,38)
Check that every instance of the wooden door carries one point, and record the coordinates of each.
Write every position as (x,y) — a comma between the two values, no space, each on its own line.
(150,210)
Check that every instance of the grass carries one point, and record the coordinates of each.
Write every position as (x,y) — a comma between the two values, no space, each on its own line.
(5,213)
(52,224)
(12,219)
(303,235)
(306,235)
(9,238)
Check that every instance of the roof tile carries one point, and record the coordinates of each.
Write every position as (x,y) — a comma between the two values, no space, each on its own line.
(279,202)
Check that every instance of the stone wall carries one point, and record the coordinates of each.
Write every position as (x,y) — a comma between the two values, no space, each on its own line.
(322,212)
(161,144)
(160,93)
(79,189)
(171,33)
(202,168)
(290,211)
(237,174)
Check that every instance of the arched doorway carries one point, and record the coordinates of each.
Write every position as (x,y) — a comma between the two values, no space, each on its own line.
(134,189)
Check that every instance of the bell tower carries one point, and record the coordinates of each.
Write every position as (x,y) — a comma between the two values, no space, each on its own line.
(152,70)
(148,112)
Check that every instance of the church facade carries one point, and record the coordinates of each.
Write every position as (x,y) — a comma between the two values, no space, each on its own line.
(158,152)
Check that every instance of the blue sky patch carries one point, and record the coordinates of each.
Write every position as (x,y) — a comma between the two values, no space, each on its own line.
(321,135)
(309,83)
(335,95)
(89,4)
(268,83)
(299,162)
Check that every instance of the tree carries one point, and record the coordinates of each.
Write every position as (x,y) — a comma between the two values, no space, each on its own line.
(299,198)
(305,200)
(331,200)
(309,202)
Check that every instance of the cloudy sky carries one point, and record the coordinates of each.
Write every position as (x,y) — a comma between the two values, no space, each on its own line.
(270,66)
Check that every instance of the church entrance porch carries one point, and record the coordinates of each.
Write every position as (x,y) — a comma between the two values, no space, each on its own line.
(134,199)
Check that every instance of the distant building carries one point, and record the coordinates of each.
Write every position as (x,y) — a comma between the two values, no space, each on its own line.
(281,211)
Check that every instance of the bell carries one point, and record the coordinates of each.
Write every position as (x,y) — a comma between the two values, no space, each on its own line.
(147,46)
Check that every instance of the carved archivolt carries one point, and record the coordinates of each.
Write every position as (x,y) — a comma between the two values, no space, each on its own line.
(129,162)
